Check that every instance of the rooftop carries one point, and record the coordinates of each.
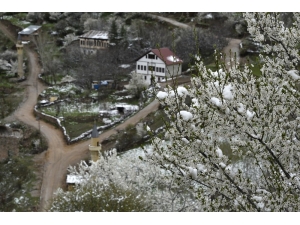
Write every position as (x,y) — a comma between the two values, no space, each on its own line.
(166,55)
(30,29)
(94,34)
(73,179)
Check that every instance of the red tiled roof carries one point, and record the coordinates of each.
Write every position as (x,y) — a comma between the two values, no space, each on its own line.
(167,56)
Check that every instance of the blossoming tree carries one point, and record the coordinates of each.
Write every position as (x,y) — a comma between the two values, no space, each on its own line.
(257,115)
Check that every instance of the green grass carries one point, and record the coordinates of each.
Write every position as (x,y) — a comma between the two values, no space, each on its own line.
(106,14)
(75,126)
(17,20)
(48,26)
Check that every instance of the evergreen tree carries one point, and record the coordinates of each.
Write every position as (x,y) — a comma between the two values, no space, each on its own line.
(113,33)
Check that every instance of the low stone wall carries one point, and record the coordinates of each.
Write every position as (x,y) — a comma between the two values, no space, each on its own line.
(57,122)
(52,120)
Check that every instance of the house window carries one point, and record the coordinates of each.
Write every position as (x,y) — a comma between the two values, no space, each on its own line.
(144,67)
(138,67)
(158,78)
(145,77)
(159,69)
(162,70)
(151,68)
(150,56)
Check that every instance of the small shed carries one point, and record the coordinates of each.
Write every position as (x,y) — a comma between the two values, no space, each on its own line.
(72,180)
(28,32)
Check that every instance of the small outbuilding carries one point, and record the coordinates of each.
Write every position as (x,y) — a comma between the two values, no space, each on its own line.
(28,32)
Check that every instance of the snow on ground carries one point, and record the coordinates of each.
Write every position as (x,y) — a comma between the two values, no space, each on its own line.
(216,101)
(186,115)
(124,66)
(125,97)
(293,74)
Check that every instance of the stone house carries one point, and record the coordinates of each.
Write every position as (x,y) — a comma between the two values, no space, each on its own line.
(93,40)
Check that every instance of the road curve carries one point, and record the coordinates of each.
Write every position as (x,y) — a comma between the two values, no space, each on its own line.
(59,155)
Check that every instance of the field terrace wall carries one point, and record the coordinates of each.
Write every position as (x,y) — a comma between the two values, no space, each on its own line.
(57,122)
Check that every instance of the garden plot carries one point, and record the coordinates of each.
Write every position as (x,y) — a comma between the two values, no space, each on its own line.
(79,109)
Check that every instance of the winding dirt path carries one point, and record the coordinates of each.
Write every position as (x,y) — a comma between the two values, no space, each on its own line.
(60,156)
(232,49)
(171,21)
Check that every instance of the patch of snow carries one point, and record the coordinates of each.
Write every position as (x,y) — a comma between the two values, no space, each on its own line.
(182,91)
(44,101)
(106,121)
(240,108)
(193,172)
(195,102)
(161,95)
(219,152)
(250,114)
(216,101)
(293,74)
(257,198)
(208,16)
(185,140)
(148,128)
(201,168)
(124,66)
(173,58)
(227,92)
(186,115)
(222,164)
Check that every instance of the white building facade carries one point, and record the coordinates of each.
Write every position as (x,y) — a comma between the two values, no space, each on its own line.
(158,64)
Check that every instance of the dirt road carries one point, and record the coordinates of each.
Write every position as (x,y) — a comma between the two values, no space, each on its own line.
(232,50)
(59,155)
(171,21)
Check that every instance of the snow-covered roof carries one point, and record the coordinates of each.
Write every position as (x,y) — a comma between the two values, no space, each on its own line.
(29,30)
(73,179)
(95,34)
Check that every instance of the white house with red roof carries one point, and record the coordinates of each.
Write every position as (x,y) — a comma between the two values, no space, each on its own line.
(160,63)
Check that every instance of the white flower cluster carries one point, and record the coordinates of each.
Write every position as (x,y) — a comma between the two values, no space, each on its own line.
(254,115)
